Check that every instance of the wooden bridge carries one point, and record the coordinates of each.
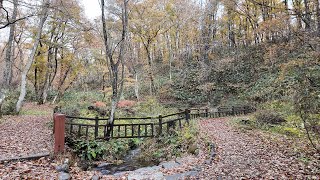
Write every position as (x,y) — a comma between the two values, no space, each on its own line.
(132,127)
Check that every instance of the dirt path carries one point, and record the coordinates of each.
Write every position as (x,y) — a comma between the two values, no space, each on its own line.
(26,134)
(253,154)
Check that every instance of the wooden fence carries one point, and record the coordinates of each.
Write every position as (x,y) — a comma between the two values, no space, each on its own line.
(99,128)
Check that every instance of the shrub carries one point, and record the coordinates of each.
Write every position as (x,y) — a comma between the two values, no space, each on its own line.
(170,145)
(9,104)
(268,117)
(96,150)
(89,150)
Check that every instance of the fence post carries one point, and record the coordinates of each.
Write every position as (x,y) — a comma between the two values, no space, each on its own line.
(160,125)
(187,113)
(233,112)
(207,112)
(59,132)
(96,127)
(245,110)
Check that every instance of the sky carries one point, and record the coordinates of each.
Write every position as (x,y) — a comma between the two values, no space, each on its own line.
(92,8)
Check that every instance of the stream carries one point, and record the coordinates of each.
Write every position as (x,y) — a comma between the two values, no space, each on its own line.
(130,163)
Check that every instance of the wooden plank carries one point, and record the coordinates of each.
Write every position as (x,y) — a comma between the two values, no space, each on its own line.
(29,157)
(71,127)
(145,130)
(79,131)
(125,131)
(152,134)
(87,129)
(111,129)
(173,114)
(82,118)
(132,130)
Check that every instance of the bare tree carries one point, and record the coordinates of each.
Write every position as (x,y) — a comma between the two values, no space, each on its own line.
(317,4)
(25,71)
(10,48)
(115,62)
(2,97)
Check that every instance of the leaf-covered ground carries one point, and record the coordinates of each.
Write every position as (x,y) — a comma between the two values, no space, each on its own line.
(27,134)
(248,154)
(254,154)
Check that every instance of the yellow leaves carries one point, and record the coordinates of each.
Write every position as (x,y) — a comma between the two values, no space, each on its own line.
(273,25)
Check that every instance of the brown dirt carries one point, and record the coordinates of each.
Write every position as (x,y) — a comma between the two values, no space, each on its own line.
(28,134)
(252,154)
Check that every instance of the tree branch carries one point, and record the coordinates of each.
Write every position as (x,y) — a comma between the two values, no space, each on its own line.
(8,23)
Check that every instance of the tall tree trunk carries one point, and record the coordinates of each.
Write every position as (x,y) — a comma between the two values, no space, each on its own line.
(307,15)
(169,47)
(286,5)
(10,49)
(231,35)
(317,4)
(297,9)
(136,86)
(152,85)
(114,64)
(24,73)
(2,97)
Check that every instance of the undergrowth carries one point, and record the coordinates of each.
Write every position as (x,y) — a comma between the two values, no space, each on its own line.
(170,145)
(92,150)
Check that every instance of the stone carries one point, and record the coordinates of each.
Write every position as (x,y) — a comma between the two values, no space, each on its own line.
(196,168)
(119,174)
(103,165)
(59,168)
(66,161)
(170,165)
(191,173)
(62,168)
(148,169)
(95,177)
(64,176)
(179,160)
(173,177)
(182,175)
(105,172)
(209,161)
(146,173)
(138,176)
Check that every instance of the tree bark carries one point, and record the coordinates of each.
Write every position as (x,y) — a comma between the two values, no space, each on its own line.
(152,85)
(24,73)
(10,49)
(297,9)
(115,64)
(2,97)
(307,15)
(317,3)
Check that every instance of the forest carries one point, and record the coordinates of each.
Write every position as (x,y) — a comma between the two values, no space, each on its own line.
(145,58)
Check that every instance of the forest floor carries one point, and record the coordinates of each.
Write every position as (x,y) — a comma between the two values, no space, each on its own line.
(27,134)
(256,154)
(247,154)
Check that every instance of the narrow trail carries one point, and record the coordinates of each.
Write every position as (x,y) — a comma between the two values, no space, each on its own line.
(28,134)
(253,154)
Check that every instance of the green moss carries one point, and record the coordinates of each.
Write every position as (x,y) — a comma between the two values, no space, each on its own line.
(35,112)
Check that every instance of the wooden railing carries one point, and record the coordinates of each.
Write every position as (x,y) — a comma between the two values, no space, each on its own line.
(133,127)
